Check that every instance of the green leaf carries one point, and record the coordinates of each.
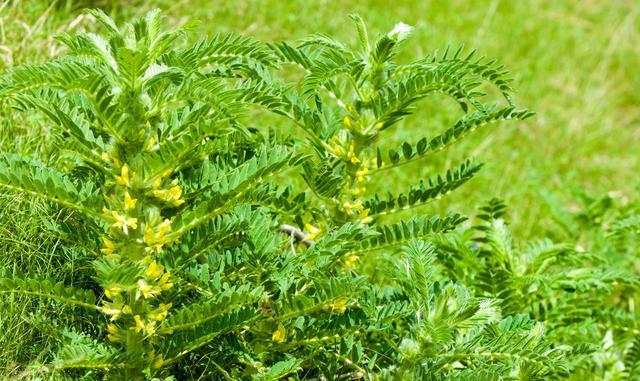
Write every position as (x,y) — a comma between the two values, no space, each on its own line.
(198,314)
(435,188)
(362,31)
(222,49)
(280,369)
(50,289)
(33,178)
(407,150)
(403,232)
(465,126)
(227,190)
(182,342)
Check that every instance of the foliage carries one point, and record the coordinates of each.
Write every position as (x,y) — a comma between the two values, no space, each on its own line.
(155,165)
(585,298)
(178,208)
(349,99)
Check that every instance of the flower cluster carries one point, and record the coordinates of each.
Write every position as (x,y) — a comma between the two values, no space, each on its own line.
(138,233)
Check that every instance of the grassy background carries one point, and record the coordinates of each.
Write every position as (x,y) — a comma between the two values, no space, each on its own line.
(574,63)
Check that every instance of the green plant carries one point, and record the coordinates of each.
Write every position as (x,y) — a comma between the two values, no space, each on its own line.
(348,99)
(171,203)
(198,264)
(585,296)
(157,168)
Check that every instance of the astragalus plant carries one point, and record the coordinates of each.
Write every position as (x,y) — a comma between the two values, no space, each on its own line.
(151,158)
(348,101)
(199,265)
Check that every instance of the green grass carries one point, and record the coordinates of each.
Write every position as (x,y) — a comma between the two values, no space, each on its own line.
(574,63)
(27,247)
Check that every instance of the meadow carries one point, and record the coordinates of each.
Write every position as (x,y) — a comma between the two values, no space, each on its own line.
(562,173)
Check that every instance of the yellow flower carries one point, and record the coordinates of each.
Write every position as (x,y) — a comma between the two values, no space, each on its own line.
(129,203)
(154,270)
(157,237)
(149,234)
(360,175)
(280,335)
(114,312)
(171,195)
(152,236)
(148,327)
(145,289)
(150,143)
(366,220)
(158,361)
(347,122)
(351,155)
(109,246)
(115,333)
(336,146)
(354,207)
(351,261)
(364,216)
(126,310)
(107,242)
(163,311)
(124,222)
(379,125)
(112,291)
(152,248)
(339,305)
(156,184)
(358,191)
(112,329)
(123,179)
(139,324)
(313,231)
(164,282)
(164,227)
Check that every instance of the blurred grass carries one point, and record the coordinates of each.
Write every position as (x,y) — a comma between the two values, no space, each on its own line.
(574,63)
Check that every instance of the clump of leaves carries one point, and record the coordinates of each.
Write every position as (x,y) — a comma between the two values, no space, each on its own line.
(176,203)
(585,298)
(161,175)
(349,99)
